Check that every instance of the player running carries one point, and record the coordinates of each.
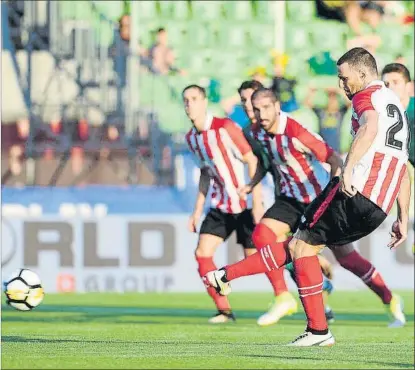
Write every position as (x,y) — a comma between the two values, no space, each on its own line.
(351,206)
(284,303)
(220,149)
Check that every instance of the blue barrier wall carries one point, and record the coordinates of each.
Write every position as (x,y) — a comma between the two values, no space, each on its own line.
(119,200)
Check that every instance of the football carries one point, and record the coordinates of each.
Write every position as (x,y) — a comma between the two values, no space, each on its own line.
(24,290)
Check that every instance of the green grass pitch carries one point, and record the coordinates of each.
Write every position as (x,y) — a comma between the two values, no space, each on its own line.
(129,331)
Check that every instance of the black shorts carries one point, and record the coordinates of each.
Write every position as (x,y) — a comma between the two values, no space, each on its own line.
(224,224)
(287,210)
(334,218)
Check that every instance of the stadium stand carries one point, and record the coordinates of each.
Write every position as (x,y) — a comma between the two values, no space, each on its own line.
(76,74)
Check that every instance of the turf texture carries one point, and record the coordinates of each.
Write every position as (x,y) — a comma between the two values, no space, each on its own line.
(131,331)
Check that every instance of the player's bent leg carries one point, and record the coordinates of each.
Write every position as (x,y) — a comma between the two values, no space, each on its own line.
(351,260)
(204,256)
(271,256)
(309,279)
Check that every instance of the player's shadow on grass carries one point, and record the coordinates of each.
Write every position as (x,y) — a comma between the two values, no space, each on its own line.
(325,359)
(149,315)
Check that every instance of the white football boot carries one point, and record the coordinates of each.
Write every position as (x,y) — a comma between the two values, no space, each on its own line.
(284,305)
(217,279)
(308,339)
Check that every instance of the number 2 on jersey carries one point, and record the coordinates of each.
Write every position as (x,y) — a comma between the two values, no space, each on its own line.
(393,110)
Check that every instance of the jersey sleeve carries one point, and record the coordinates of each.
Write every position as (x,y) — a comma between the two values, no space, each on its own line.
(362,101)
(237,136)
(309,142)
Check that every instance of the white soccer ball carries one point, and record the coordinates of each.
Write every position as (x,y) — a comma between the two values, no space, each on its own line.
(24,290)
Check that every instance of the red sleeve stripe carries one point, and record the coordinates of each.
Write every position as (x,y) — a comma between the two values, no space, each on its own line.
(396,191)
(237,136)
(291,172)
(387,181)
(229,165)
(373,175)
(217,181)
(305,166)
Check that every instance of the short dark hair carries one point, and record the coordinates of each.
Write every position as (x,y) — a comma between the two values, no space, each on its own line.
(264,92)
(359,57)
(197,87)
(398,68)
(161,29)
(250,84)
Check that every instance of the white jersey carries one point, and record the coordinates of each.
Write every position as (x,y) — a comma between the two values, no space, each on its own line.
(378,175)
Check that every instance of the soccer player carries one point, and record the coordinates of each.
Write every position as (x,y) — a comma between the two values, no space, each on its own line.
(221,150)
(374,176)
(284,303)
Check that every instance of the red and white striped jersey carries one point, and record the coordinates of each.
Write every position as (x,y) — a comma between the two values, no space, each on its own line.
(298,155)
(221,147)
(379,173)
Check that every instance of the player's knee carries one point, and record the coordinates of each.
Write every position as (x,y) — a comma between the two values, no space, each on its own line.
(203,252)
(262,236)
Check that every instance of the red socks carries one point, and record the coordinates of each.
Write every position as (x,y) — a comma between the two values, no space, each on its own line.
(206,265)
(277,280)
(270,256)
(362,268)
(309,280)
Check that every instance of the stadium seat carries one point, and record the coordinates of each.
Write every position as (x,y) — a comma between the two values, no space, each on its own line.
(262,35)
(180,10)
(393,39)
(327,35)
(297,38)
(207,9)
(300,11)
(238,10)
(147,9)
(232,35)
(200,35)
(264,10)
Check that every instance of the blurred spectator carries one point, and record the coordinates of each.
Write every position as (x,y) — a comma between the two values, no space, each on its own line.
(232,105)
(162,56)
(121,40)
(120,49)
(282,86)
(330,115)
(354,12)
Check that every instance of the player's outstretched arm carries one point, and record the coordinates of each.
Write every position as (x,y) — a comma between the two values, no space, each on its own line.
(400,226)
(360,145)
(204,184)
(257,204)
